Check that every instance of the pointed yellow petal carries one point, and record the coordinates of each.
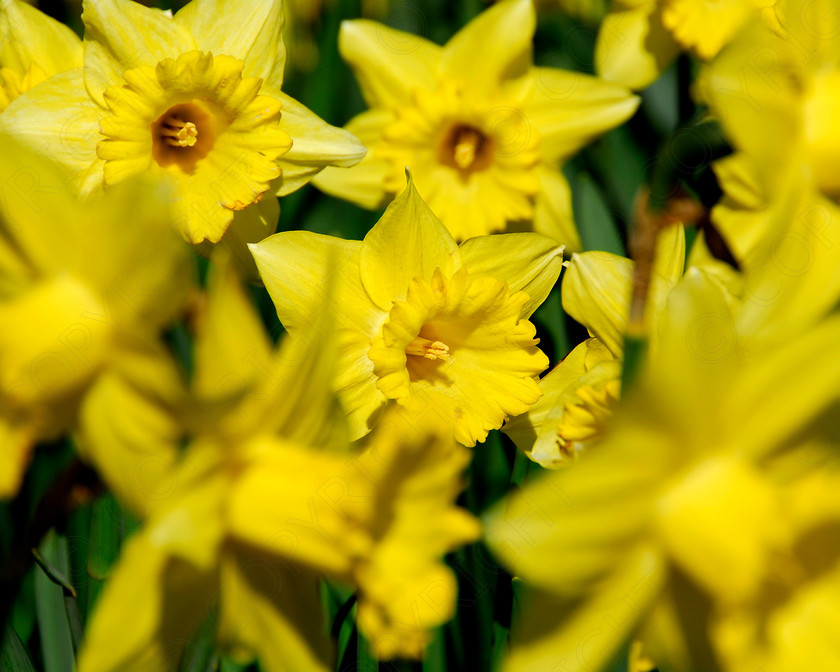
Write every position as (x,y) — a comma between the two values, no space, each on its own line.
(58,119)
(586,635)
(249,31)
(174,599)
(363,184)
(596,292)
(315,144)
(273,610)
(122,35)
(553,215)
(633,47)
(30,36)
(570,109)
(129,429)
(493,47)
(388,63)
(408,242)
(527,262)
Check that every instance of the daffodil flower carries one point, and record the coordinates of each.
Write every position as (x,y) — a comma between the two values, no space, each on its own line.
(185,98)
(694,477)
(267,498)
(639,39)
(439,328)
(33,47)
(84,291)
(482,130)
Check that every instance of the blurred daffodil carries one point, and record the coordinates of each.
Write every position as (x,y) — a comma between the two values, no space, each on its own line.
(266,498)
(84,291)
(482,130)
(187,99)
(639,39)
(441,329)
(693,478)
(33,47)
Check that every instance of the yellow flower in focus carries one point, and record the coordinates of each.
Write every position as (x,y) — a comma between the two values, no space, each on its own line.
(33,47)
(266,498)
(639,39)
(482,130)
(442,330)
(694,475)
(84,292)
(184,98)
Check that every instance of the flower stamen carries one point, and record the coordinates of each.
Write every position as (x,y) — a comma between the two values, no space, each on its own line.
(178,133)
(423,347)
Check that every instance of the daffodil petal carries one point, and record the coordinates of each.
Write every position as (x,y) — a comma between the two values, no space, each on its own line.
(408,242)
(527,262)
(249,31)
(553,214)
(633,47)
(30,36)
(17,441)
(570,109)
(315,144)
(494,47)
(122,35)
(273,610)
(364,183)
(251,225)
(577,637)
(596,292)
(59,120)
(389,63)
(174,599)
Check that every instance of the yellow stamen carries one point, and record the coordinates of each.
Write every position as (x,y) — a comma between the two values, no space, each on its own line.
(179,133)
(466,147)
(423,347)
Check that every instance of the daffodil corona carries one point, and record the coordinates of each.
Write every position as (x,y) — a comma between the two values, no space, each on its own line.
(184,99)
(439,328)
(482,130)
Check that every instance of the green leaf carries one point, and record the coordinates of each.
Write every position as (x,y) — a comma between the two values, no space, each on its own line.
(57,646)
(13,654)
(199,653)
(106,533)
(596,223)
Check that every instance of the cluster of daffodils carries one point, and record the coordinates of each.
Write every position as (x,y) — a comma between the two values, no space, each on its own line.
(683,503)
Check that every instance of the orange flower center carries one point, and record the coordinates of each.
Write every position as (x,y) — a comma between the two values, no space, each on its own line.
(182,135)
(466,148)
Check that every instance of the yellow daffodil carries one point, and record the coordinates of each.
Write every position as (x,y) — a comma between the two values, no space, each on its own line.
(188,99)
(267,498)
(84,291)
(693,478)
(482,130)
(579,394)
(33,47)
(438,328)
(639,39)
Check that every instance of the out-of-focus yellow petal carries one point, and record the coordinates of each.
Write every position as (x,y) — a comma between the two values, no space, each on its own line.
(151,606)
(60,121)
(492,48)
(249,31)
(408,242)
(251,225)
(585,635)
(553,215)
(129,429)
(388,63)
(16,439)
(122,35)
(527,262)
(633,47)
(30,36)
(364,184)
(596,292)
(721,514)
(273,610)
(314,144)
(570,109)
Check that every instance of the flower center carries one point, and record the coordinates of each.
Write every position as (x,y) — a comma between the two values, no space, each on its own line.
(423,347)
(466,148)
(182,135)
